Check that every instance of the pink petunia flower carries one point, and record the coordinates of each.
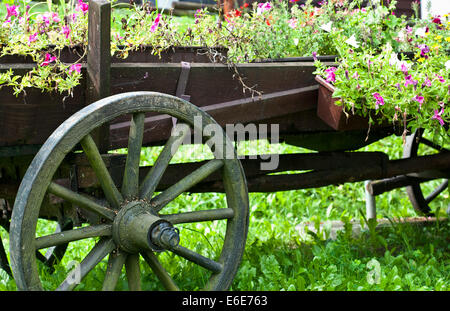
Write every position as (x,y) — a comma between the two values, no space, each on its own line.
(45,18)
(331,75)
(55,17)
(82,6)
(292,23)
(32,38)
(440,78)
(262,7)
(438,116)
(404,68)
(155,23)
(65,30)
(379,100)
(419,99)
(11,11)
(48,59)
(75,67)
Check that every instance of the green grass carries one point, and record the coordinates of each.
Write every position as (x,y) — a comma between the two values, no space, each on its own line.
(278,257)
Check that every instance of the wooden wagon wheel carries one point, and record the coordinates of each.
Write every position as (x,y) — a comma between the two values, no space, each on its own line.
(421,198)
(132,223)
(51,256)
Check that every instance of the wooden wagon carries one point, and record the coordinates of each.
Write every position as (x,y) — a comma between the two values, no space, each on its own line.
(57,160)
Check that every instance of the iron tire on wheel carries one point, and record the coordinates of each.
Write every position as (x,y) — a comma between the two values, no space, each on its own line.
(131,205)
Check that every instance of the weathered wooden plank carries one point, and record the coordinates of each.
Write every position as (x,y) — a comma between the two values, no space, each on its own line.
(240,111)
(211,83)
(251,164)
(338,175)
(31,117)
(99,62)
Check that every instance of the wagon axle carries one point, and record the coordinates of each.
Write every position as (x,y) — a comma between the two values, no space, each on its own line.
(136,228)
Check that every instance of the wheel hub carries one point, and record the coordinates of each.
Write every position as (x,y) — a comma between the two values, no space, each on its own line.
(136,229)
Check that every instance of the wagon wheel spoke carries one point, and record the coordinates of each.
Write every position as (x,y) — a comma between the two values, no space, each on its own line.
(130,183)
(133,272)
(198,259)
(72,235)
(159,271)
(185,184)
(100,250)
(199,216)
(80,201)
(116,261)
(112,194)
(441,188)
(153,177)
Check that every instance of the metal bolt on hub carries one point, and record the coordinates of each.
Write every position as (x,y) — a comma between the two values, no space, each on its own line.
(165,236)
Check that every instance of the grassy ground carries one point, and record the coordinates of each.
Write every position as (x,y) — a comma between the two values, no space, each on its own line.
(278,257)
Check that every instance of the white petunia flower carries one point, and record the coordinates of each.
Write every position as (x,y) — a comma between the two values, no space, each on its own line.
(421,31)
(327,26)
(352,41)
(447,65)
(400,65)
(402,35)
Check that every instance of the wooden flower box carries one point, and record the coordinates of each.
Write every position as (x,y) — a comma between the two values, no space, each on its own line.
(334,115)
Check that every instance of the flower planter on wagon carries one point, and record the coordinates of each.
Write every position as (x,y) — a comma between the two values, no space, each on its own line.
(75,179)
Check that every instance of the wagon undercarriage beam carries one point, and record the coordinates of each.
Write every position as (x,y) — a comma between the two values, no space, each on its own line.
(305,171)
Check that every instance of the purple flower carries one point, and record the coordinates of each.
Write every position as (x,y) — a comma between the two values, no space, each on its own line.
(427,82)
(409,80)
(438,116)
(331,75)
(314,55)
(424,49)
(355,75)
(379,100)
